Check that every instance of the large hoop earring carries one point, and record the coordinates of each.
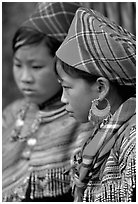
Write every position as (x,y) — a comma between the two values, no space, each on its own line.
(96,115)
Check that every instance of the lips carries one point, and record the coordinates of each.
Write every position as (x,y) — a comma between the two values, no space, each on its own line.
(28,91)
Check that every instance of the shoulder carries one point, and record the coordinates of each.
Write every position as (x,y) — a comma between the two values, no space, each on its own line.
(10,112)
(127,150)
(129,134)
(14,106)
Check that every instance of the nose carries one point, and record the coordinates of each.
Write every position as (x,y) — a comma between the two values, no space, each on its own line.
(63,97)
(26,75)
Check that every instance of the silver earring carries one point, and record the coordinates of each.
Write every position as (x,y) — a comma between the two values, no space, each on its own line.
(96,115)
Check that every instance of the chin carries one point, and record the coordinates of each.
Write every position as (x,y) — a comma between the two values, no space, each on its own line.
(33,100)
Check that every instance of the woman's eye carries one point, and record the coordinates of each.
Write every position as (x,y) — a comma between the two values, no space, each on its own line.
(37,67)
(18,65)
(66,87)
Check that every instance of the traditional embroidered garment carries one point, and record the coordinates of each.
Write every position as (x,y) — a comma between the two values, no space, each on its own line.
(37,145)
(31,138)
(108,159)
(105,168)
(53,18)
(100,47)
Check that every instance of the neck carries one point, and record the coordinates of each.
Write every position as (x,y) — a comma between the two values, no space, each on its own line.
(115,104)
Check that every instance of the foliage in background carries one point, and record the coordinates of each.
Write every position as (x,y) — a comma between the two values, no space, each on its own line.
(14,13)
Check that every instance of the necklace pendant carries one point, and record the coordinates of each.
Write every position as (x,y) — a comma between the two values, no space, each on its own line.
(19,123)
(26,154)
(31,141)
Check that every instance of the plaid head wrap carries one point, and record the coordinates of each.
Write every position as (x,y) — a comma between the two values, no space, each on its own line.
(53,19)
(98,46)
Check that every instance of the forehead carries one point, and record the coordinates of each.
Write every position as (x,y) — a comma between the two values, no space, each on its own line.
(74,82)
(62,75)
(34,49)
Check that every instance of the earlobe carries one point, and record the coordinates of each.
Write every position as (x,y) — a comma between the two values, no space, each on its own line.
(103,87)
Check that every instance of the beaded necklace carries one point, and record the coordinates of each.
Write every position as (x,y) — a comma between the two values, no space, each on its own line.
(21,115)
(30,137)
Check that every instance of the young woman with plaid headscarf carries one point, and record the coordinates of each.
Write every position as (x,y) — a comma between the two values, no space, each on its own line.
(96,66)
(38,135)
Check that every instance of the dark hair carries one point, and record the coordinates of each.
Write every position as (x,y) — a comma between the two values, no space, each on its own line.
(27,36)
(124,91)
(74,73)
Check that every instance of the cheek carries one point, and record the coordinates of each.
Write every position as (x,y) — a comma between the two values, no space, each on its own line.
(83,106)
(80,103)
(16,74)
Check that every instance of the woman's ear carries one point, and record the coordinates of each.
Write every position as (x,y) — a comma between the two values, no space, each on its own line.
(103,86)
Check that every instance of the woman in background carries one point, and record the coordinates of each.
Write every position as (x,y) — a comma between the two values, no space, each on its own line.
(38,135)
(96,66)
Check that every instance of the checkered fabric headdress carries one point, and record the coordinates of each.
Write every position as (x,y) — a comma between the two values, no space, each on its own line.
(98,46)
(53,19)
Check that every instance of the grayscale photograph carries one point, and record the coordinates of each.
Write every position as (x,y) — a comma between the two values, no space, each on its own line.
(69,101)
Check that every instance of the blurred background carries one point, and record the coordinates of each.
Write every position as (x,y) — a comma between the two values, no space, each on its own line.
(15,13)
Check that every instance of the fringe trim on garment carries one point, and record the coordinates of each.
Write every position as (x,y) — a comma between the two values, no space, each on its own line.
(119,190)
(17,192)
(49,183)
(44,183)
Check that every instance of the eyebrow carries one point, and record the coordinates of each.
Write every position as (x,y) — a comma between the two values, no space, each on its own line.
(15,58)
(61,80)
(30,60)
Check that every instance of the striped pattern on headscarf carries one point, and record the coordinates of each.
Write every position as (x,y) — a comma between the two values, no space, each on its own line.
(98,46)
(53,18)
